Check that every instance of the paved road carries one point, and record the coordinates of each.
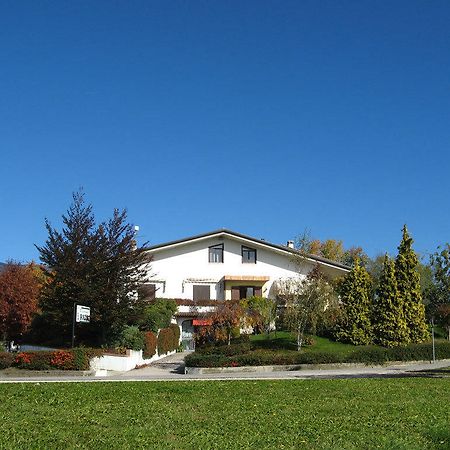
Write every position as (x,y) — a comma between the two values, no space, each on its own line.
(171,368)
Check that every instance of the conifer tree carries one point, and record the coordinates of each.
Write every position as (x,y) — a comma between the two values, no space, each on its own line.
(388,320)
(355,294)
(408,283)
(96,266)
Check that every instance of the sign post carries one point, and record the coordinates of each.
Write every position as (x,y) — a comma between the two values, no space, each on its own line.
(80,314)
(432,337)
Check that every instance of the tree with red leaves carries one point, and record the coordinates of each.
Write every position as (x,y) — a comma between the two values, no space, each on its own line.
(225,317)
(20,286)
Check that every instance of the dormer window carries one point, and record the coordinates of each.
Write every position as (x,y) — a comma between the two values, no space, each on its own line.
(248,255)
(216,253)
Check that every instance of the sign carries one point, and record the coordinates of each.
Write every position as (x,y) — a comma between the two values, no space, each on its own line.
(83,314)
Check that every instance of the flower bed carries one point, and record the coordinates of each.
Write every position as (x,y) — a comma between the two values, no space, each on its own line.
(72,359)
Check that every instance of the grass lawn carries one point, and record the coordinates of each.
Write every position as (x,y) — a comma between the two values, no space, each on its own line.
(287,341)
(312,414)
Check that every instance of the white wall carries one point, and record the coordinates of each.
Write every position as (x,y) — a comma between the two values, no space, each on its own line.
(176,269)
(124,363)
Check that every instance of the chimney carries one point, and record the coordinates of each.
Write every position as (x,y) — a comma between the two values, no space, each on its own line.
(290,244)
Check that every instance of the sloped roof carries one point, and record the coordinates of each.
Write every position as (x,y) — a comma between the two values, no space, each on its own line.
(226,232)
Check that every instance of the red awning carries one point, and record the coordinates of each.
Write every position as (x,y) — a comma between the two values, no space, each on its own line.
(202,323)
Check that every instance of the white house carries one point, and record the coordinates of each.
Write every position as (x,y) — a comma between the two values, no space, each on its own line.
(224,265)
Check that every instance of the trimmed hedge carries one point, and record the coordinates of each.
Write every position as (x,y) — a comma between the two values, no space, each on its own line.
(73,359)
(168,339)
(225,357)
(151,342)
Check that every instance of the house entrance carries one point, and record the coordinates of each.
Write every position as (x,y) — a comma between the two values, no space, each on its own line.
(187,335)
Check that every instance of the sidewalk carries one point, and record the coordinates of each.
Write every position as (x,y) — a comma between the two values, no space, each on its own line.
(171,368)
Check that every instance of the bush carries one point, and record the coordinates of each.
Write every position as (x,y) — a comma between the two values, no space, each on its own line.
(82,357)
(73,359)
(131,337)
(150,345)
(34,360)
(62,359)
(198,360)
(413,352)
(6,360)
(239,355)
(176,334)
(158,315)
(168,339)
(226,350)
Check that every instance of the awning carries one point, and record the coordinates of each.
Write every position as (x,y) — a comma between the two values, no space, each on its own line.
(202,322)
(262,278)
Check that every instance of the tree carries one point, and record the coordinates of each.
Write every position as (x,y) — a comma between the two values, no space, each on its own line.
(408,283)
(438,292)
(97,266)
(355,294)
(158,314)
(330,249)
(303,301)
(259,313)
(20,286)
(224,319)
(388,320)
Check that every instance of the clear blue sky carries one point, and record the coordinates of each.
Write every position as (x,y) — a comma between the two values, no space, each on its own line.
(263,117)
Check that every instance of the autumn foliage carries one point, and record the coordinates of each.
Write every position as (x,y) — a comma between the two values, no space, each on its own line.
(19,290)
(223,320)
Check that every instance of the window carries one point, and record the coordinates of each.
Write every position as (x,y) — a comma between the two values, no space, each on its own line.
(147,292)
(201,292)
(216,253)
(248,255)
(241,292)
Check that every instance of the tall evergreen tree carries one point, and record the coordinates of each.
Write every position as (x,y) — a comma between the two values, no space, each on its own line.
(355,294)
(388,320)
(96,266)
(408,283)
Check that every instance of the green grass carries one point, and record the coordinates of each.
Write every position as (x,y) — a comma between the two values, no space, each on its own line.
(285,340)
(313,414)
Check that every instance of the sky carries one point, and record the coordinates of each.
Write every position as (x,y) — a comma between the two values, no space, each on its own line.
(264,117)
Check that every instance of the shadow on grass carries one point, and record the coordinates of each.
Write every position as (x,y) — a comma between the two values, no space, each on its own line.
(276,343)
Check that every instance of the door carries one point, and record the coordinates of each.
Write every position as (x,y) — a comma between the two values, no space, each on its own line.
(187,335)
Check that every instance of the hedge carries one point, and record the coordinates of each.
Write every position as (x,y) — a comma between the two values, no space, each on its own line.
(168,339)
(73,359)
(151,342)
(6,360)
(222,357)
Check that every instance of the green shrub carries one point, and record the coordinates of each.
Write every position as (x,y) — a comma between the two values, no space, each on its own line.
(241,355)
(82,357)
(150,345)
(226,350)
(131,337)
(6,360)
(412,352)
(197,360)
(176,335)
(158,315)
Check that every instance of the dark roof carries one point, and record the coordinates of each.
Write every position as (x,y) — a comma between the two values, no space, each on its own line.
(250,238)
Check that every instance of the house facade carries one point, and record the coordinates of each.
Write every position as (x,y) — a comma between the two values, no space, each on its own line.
(224,265)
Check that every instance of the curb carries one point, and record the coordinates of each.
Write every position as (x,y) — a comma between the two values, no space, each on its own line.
(297,367)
